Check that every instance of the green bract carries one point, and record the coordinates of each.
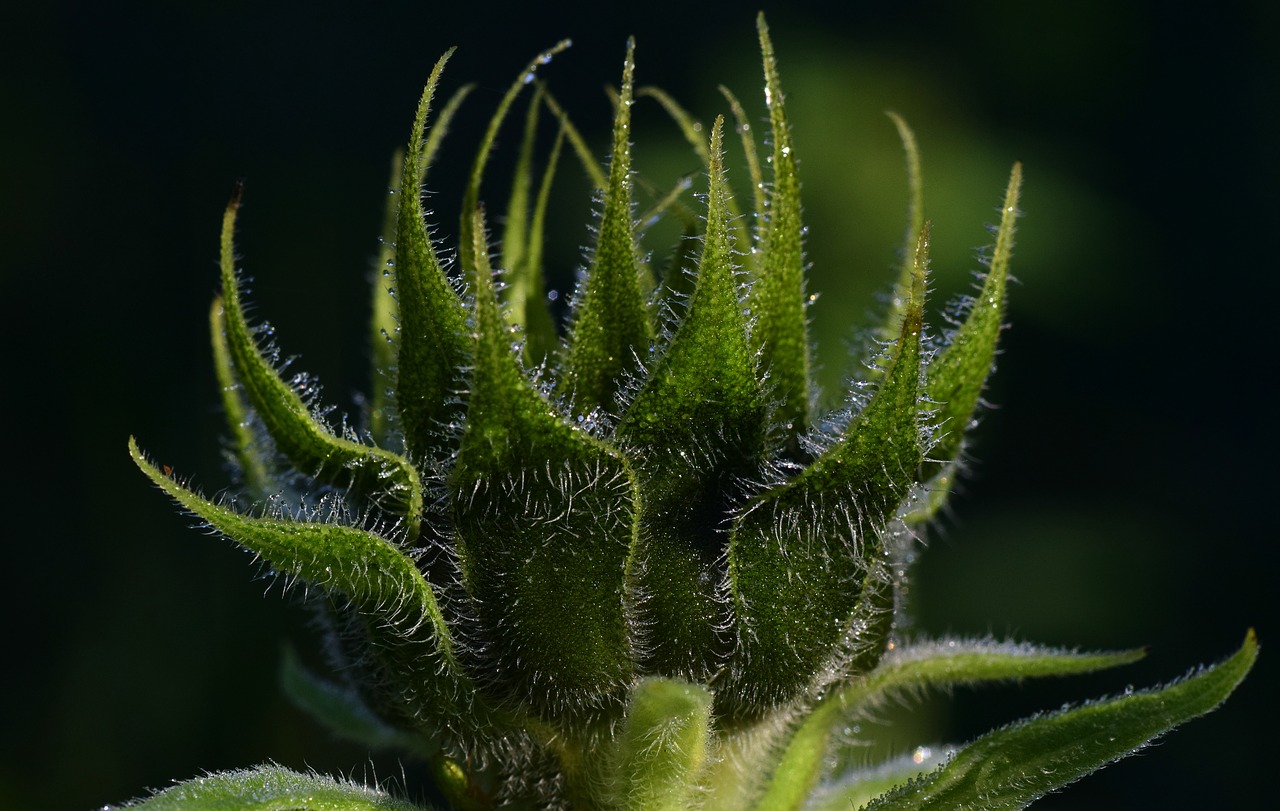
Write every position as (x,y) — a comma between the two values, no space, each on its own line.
(629,567)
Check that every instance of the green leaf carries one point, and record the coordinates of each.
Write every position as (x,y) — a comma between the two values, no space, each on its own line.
(385,478)
(611,330)
(249,453)
(696,427)
(907,671)
(808,561)
(778,297)
(664,743)
(546,577)
(856,789)
(1016,765)
(955,378)
(435,344)
(270,788)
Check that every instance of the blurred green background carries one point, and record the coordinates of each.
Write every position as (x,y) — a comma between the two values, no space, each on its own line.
(1119,495)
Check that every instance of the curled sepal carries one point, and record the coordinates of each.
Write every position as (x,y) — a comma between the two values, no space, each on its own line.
(1012,767)
(696,426)
(373,573)
(611,329)
(955,377)
(905,672)
(434,344)
(662,748)
(545,516)
(809,562)
(249,453)
(269,788)
(778,297)
(384,478)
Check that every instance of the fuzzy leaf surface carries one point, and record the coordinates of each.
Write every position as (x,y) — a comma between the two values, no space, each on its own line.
(944,664)
(1012,767)
(664,743)
(270,788)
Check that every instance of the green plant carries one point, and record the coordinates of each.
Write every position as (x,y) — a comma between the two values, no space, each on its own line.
(633,568)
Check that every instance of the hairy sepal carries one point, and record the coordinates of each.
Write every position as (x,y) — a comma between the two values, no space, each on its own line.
(778,297)
(957,374)
(611,329)
(808,560)
(696,427)
(435,345)
(547,578)
(379,583)
(252,456)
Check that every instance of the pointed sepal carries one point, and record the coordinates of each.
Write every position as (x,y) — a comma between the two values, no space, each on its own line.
(372,574)
(434,342)
(611,331)
(778,296)
(809,560)
(956,376)
(471,197)
(915,224)
(696,427)
(251,455)
(546,577)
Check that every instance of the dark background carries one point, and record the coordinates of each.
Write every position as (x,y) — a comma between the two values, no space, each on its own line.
(1121,493)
